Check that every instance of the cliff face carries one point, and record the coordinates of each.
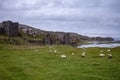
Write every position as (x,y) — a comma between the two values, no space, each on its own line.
(9,28)
(38,36)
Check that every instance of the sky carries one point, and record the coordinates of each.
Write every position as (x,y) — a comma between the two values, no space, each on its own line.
(86,17)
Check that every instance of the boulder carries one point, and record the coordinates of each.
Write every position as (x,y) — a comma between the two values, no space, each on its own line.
(10,28)
(67,38)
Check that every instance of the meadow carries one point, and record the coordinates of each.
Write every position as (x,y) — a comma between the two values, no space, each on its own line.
(26,62)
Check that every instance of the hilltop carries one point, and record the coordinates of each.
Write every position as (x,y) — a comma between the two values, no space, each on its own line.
(13,32)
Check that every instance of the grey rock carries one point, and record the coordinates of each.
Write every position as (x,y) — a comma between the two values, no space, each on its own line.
(10,28)
(67,38)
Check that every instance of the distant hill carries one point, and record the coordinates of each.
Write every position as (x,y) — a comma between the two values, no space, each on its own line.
(13,32)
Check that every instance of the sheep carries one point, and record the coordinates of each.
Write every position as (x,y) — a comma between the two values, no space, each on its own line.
(63,56)
(73,54)
(83,54)
(55,51)
(102,55)
(109,56)
(101,51)
(36,50)
(50,51)
(108,50)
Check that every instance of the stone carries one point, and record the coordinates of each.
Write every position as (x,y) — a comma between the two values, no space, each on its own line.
(67,38)
(11,28)
(1,29)
(47,40)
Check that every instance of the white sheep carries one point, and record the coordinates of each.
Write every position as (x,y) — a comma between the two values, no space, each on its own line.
(101,51)
(63,56)
(102,55)
(50,51)
(73,54)
(109,56)
(55,51)
(36,50)
(108,50)
(83,54)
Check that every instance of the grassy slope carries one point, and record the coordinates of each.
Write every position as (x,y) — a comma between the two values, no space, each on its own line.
(36,63)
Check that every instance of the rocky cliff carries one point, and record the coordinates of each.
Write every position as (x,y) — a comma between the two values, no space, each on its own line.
(37,36)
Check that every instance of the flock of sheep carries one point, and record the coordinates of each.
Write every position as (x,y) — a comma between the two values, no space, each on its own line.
(103,55)
(64,56)
(83,53)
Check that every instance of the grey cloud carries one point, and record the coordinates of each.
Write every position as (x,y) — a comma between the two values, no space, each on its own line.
(57,3)
(81,16)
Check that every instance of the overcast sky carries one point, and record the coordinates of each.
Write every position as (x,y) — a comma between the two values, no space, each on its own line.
(88,17)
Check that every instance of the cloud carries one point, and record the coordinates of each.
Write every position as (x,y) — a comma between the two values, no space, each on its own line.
(81,16)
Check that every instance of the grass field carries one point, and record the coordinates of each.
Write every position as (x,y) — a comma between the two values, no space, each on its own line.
(36,63)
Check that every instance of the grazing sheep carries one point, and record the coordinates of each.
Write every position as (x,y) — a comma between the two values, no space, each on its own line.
(36,50)
(102,55)
(73,54)
(55,51)
(101,51)
(83,54)
(63,56)
(50,51)
(109,56)
(108,50)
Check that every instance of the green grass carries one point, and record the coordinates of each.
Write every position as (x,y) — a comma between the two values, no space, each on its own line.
(36,63)
(5,39)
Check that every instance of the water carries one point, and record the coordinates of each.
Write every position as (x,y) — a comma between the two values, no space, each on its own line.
(97,44)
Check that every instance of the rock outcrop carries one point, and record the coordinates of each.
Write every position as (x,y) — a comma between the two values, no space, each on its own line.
(37,36)
(10,28)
